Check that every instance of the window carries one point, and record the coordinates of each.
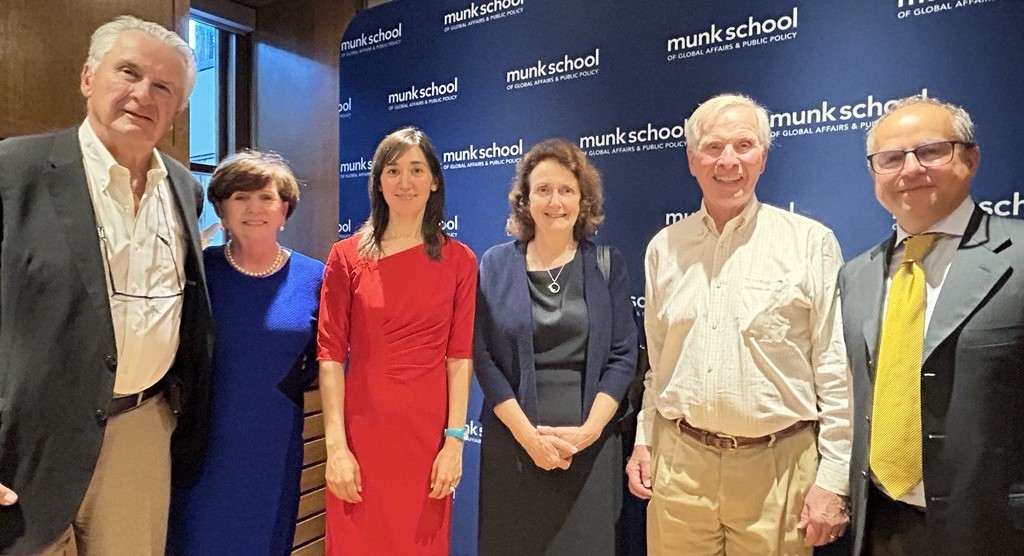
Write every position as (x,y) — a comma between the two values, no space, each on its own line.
(219,106)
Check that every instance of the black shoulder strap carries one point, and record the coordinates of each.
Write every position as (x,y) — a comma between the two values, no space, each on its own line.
(604,261)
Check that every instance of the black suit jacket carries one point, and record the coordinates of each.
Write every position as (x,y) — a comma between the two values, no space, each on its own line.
(972,389)
(57,349)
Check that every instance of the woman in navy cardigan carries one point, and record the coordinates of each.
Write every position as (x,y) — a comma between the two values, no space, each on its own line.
(555,351)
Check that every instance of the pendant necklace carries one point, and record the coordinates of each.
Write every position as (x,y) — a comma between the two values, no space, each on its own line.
(553,287)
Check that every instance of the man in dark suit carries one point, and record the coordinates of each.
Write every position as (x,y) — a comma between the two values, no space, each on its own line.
(105,330)
(934,330)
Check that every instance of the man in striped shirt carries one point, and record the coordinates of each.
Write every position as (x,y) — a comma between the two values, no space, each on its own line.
(743,441)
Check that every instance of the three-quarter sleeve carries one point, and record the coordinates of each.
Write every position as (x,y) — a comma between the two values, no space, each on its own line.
(335,304)
(460,337)
(495,384)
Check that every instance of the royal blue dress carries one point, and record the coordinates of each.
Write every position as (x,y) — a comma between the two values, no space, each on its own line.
(246,497)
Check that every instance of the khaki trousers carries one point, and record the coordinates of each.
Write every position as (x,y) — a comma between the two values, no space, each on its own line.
(124,512)
(736,502)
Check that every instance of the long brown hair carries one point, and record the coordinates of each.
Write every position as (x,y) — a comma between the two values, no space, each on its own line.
(390,149)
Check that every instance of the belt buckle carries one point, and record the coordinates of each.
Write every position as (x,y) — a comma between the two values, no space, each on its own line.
(722,441)
(138,398)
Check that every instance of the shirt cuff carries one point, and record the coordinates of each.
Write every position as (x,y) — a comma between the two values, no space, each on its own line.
(644,427)
(834,477)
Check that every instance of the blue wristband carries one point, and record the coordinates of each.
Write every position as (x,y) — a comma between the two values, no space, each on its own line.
(459,433)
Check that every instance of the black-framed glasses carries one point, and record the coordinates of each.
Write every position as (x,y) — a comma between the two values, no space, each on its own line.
(163,239)
(929,156)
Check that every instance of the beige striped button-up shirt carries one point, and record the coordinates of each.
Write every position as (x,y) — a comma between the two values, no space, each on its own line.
(744,331)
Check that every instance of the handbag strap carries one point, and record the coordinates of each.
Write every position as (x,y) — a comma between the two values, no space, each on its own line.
(604,261)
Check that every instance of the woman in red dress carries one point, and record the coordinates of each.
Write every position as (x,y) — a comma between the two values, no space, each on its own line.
(396,310)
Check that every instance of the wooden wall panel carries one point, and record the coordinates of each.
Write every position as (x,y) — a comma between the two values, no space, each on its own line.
(295,106)
(309,528)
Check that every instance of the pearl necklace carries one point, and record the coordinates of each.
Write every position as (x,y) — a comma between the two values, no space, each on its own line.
(274,266)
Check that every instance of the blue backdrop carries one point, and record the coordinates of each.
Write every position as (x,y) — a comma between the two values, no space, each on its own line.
(488,79)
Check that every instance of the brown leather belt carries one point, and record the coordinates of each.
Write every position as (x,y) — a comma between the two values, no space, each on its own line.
(124,404)
(721,441)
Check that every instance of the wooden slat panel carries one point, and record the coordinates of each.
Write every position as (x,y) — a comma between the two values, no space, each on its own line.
(314,451)
(313,426)
(311,401)
(315,548)
(311,503)
(309,529)
(313,477)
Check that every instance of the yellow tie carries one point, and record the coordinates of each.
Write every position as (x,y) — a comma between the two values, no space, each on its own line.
(896,413)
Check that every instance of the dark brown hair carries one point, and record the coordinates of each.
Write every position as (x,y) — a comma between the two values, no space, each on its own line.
(520,222)
(251,170)
(390,149)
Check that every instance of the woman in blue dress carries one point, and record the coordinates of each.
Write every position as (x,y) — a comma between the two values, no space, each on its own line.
(265,300)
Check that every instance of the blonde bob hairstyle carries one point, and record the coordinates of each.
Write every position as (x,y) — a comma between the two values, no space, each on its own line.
(520,223)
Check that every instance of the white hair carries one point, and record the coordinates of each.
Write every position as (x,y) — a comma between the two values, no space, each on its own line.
(963,127)
(105,36)
(715,106)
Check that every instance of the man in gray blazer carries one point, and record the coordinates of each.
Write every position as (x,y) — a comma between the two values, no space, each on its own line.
(938,449)
(105,328)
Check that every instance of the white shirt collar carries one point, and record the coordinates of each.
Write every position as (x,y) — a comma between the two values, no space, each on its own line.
(738,222)
(954,224)
(96,156)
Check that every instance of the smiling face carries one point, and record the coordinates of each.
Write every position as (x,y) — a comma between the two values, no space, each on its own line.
(134,93)
(728,161)
(254,215)
(407,183)
(554,198)
(917,196)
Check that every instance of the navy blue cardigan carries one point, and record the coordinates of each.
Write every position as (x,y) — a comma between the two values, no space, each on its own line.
(503,342)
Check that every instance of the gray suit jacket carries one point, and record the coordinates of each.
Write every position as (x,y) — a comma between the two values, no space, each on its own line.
(57,351)
(972,389)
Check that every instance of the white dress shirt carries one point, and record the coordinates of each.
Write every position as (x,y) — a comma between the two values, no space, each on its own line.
(144,252)
(936,265)
(744,331)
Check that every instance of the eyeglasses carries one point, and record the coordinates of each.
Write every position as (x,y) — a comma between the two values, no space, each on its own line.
(114,291)
(929,156)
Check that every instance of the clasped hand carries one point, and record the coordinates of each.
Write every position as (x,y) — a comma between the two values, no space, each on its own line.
(553,447)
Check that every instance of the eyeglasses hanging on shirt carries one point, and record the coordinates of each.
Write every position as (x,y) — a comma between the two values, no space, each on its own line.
(162,239)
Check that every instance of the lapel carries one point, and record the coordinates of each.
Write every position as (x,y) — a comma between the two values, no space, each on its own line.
(69,192)
(522,319)
(185,202)
(975,269)
(867,287)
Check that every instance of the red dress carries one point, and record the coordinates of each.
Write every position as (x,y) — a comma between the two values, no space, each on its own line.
(395,320)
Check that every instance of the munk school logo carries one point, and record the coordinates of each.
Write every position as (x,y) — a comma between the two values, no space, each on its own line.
(755,31)
(647,137)
(381,38)
(483,12)
(915,8)
(488,154)
(563,68)
(421,95)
